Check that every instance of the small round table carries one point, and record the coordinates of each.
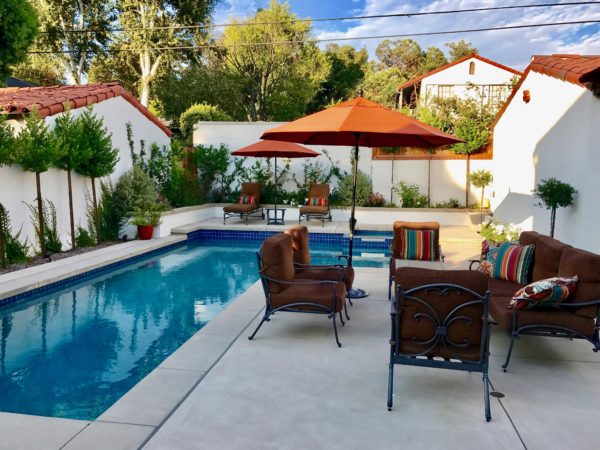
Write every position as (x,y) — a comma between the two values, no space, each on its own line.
(278,216)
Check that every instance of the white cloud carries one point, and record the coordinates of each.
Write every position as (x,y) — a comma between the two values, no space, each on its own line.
(510,47)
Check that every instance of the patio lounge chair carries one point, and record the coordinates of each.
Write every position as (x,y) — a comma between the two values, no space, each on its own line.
(440,320)
(284,292)
(318,204)
(304,269)
(248,204)
(414,241)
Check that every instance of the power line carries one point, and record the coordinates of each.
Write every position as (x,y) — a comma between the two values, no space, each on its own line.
(337,19)
(357,38)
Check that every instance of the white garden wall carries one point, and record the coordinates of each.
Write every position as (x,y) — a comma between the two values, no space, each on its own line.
(17,186)
(447,177)
(556,134)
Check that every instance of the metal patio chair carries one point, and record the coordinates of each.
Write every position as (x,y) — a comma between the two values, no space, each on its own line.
(440,320)
(285,292)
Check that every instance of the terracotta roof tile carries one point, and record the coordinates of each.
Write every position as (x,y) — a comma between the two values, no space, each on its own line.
(454,63)
(577,69)
(50,100)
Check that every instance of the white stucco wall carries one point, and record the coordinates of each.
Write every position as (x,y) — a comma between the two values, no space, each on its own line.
(485,74)
(18,186)
(447,177)
(557,135)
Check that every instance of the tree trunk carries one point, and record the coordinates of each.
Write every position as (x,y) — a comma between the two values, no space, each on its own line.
(71,213)
(2,254)
(481,204)
(96,217)
(429,181)
(467,183)
(552,219)
(392,188)
(40,205)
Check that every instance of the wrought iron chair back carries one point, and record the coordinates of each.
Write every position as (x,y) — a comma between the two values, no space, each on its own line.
(441,325)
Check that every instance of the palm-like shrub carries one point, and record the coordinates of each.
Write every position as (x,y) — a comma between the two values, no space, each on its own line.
(553,194)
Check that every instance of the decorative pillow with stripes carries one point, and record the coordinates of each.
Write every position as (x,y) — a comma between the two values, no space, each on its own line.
(317,201)
(512,262)
(418,244)
(551,291)
(247,199)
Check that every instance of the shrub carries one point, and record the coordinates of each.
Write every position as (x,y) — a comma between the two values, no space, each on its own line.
(375,200)
(83,238)
(451,203)
(212,163)
(410,195)
(343,194)
(134,191)
(13,250)
(49,231)
(200,112)
(110,219)
(493,231)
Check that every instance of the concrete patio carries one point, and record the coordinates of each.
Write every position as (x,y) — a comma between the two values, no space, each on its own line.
(292,388)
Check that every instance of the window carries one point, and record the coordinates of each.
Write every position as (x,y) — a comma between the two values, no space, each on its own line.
(498,93)
(445,91)
(472,68)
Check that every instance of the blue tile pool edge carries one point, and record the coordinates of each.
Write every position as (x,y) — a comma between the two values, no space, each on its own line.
(337,239)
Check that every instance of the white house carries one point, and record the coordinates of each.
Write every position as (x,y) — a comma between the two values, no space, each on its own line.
(112,103)
(550,127)
(491,81)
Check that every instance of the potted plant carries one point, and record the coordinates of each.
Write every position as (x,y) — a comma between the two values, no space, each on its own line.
(146,221)
(554,194)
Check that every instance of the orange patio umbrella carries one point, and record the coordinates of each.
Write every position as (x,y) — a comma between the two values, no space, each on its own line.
(360,122)
(275,149)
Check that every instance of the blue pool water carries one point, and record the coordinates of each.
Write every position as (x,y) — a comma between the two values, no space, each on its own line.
(73,352)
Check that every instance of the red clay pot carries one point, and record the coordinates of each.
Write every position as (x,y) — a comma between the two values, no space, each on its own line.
(145,232)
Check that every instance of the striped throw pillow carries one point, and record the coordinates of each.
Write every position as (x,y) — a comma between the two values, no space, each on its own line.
(418,244)
(247,199)
(317,201)
(548,292)
(512,262)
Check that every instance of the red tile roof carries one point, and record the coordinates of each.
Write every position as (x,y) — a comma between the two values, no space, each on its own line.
(50,100)
(577,69)
(454,63)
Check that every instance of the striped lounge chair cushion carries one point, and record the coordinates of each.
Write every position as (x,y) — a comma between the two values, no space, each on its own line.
(247,199)
(317,201)
(511,262)
(418,245)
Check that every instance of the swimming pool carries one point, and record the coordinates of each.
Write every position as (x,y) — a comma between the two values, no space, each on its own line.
(74,351)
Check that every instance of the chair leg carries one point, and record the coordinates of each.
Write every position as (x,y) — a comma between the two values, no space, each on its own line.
(390,288)
(264,319)
(513,336)
(390,386)
(346,309)
(342,319)
(486,397)
(337,341)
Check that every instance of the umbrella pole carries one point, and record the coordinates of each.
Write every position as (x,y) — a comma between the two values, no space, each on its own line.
(352,213)
(354,292)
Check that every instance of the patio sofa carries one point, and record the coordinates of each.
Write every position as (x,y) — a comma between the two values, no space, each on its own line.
(577,317)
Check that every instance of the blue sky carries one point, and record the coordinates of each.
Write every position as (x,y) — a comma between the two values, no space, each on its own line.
(513,48)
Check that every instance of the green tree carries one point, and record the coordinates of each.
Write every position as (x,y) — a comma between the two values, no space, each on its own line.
(432,59)
(100,155)
(405,55)
(7,142)
(76,30)
(67,133)
(554,194)
(481,178)
(347,72)
(18,28)
(278,80)
(381,86)
(36,151)
(39,69)
(460,49)
(151,25)
(197,113)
